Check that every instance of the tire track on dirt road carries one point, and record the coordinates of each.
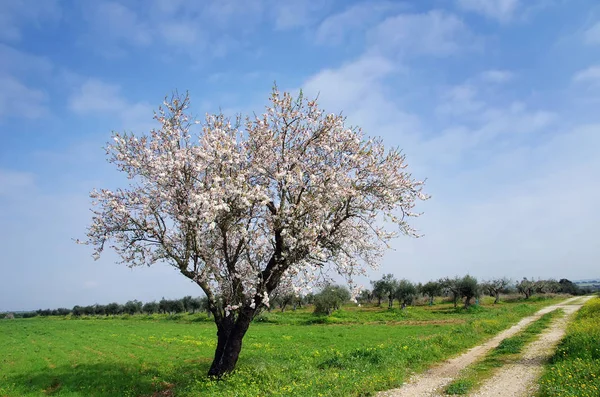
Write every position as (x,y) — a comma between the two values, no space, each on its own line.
(432,381)
(519,379)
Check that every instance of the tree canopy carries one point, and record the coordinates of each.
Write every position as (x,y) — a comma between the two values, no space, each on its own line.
(240,204)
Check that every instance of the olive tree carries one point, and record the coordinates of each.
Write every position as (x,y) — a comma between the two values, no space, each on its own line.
(385,288)
(405,292)
(469,289)
(495,287)
(379,290)
(451,287)
(331,298)
(526,287)
(237,205)
(431,289)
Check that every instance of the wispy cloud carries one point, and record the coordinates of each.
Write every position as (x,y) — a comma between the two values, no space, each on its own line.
(18,97)
(435,33)
(17,100)
(97,97)
(589,75)
(592,34)
(496,76)
(16,14)
(15,183)
(300,13)
(501,10)
(338,27)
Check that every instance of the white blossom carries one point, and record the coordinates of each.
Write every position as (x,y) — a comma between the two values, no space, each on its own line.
(289,196)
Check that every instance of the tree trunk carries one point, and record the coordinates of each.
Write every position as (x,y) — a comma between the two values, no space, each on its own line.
(497,298)
(390,302)
(431,300)
(230,334)
(467,302)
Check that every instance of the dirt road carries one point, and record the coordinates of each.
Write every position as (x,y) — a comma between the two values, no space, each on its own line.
(432,382)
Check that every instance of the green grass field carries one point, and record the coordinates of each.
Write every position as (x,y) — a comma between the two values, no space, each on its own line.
(574,371)
(355,352)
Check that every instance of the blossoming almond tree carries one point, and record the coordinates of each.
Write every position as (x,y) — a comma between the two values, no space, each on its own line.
(241,206)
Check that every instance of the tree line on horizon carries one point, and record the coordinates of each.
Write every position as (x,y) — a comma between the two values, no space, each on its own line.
(465,289)
(388,289)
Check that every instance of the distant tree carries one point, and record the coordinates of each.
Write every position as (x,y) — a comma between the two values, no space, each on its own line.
(309,298)
(385,288)
(405,292)
(100,310)
(331,298)
(298,301)
(114,308)
(89,310)
(526,287)
(9,316)
(496,286)
(175,306)
(451,287)
(469,289)
(431,289)
(187,303)
(150,307)
(283,295)
(365,296)
(163,306)
(551,286)
(568,287)
(77,310)
(205,305)
(378,288)
(43,312)
(195,304)
(132,307)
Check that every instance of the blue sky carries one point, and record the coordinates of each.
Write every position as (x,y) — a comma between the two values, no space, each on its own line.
(495,102)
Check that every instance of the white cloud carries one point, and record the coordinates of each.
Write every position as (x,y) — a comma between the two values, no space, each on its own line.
(18,100)
(435,33)
(18,62)
(592,34)
(589,75)
(14,183)
(496,76)
(195,29)
(97,97)
(460,100)
(113,22)
(182,34)
(21,94)
(295,14)
(337,27)
(16,14)
(502,10)
(351,82)
(510,196)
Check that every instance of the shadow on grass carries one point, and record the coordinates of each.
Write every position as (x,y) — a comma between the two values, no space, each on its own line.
(104,380)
